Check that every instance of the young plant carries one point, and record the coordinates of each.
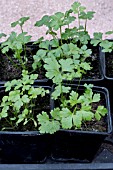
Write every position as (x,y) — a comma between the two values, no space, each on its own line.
(69,64)
(17,108)
(74,111)
(16,44)
(106,45)
(70,55)
(59,24)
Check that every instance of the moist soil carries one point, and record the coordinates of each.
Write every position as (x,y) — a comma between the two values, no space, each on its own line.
(94,125)
(8,71)
(94,73)
(109,64)
(41,104)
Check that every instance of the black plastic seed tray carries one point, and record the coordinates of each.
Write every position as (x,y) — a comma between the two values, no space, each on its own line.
(103,160)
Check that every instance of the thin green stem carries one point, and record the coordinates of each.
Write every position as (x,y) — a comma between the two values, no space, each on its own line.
(21,29)
(85,25)
(13,63)
(61,34)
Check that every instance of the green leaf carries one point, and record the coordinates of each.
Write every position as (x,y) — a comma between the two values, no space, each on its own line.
(14,95)
(67,65)
(47,126)
(23,20)
(96,98)
(97,116)
(3,114)
(2,35)
(20,22)
(76,7)
(66,118)
(77,120)
(42,118)
(102,110)
(4,99)
(25,112)
(65,112)
(73,98)
(18,104)
(54,43)
(97,38)
(85,66)
(86,15)
(57,92)
(45,44)
(109,32)
(52,67)
(98,35)
(67,122)
(25,98)
(14,24)
(106,45)
(44,21)
(55,114)
(86,115)
(65,89)
(39,40)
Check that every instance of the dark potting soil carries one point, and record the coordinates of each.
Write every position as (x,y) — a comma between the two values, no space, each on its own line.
(8,71)
(94,60)
(109,64)
(41,104)
(94,73)
(94,125)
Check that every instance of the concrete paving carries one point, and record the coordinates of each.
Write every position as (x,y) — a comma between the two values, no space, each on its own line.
(12,10)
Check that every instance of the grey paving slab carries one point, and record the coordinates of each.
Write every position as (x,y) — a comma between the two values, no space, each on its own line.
(11,10)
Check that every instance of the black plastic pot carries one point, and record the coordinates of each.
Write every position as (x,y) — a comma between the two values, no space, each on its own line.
(77,145)
(31,49)
(108,81)
(24,146)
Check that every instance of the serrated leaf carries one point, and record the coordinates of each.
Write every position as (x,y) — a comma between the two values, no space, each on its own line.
(97,116)
(96,98)
(85,66)
(86,115)
(45,44)
(65,112)
(23,20)
(18,104)
(102,110)
(43,118)
(66,122)
(44,21)
(25,98)
(49,127)
(77,120)
(57,92)
(54,43)
(73,98)
(52,68)
(55,114)
(67,65)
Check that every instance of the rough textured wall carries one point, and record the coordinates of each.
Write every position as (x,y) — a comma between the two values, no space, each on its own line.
(11,10)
